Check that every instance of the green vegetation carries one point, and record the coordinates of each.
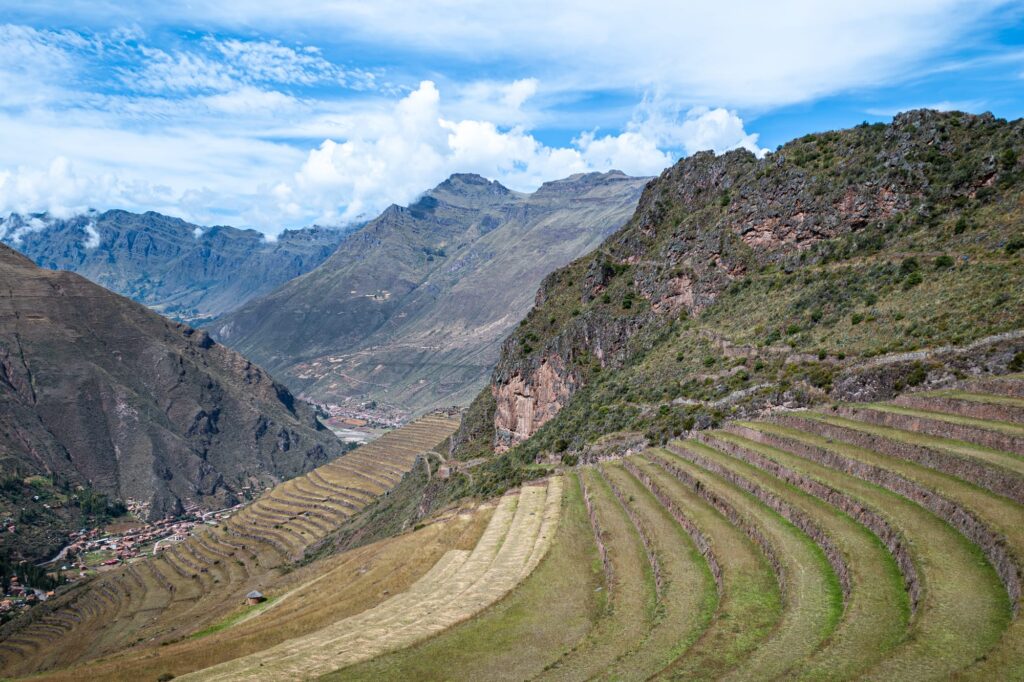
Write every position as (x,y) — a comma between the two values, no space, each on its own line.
(548,614)
(813,602)
(232,619)
(963,606)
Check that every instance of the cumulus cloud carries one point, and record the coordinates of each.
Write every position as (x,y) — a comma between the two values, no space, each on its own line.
(54,189)
(393,157)
(14,227)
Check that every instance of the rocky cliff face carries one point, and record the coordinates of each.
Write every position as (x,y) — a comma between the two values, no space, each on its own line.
(181,270)
(716,224)
(411,309)
(98,392)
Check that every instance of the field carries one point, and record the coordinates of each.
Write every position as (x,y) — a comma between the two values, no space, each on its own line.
(812,545)
(870,541)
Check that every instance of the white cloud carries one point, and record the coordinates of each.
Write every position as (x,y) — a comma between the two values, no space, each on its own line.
(250,100)
(373,157)
(392,157)
(92,236)
(716,129)
(55,189)
(224,65)
(14,227)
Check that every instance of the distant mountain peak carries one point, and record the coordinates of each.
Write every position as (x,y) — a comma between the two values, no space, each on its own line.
(470,183)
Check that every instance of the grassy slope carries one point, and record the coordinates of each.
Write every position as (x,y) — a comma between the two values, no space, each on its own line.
(877,612)
(750,604)
(813,601)
(548,614)
(303,601)
(963,608)
(688,597)
(994,510)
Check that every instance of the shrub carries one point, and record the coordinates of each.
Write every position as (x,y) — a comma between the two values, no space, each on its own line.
(1017,362)
(917,375)
(943,262)
(912,280)
(1008,159)
(1014,246)
(856,318)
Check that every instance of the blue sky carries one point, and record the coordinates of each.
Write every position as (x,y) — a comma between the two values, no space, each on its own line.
(282,113)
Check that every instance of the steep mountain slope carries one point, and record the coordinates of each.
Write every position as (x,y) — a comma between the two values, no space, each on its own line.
(411,308)
(741,284)
(187,272)
(99,392)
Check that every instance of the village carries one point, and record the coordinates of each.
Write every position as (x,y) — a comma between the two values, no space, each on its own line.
(94,550)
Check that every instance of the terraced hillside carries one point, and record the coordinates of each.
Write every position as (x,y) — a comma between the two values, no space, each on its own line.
(457,587)
(811,545)
(194,583)
(869,541)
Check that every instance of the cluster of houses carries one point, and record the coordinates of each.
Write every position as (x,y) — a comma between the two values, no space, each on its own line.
(140,540)
(20,598)
(369,414)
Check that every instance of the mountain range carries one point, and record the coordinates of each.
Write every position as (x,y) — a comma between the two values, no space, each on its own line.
(411,308)
(179,269)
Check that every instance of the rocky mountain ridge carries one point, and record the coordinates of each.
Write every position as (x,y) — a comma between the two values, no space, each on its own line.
(729,257)
(181,270)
